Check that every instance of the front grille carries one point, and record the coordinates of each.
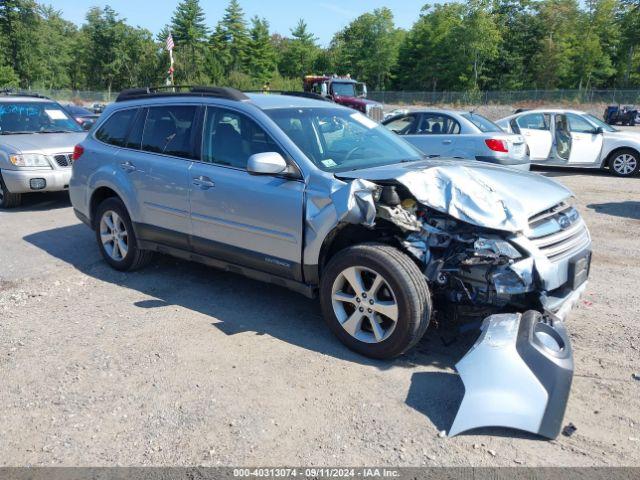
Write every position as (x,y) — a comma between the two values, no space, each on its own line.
(375,112)
(559,232)
(63,159)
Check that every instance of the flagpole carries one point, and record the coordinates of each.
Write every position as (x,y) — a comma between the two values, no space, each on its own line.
(169,45)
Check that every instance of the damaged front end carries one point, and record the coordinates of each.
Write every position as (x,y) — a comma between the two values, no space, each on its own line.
(472,271)
(491,250)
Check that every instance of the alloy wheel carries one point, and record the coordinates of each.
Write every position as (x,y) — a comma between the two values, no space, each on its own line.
(364,304)
(625,164)
(114,235)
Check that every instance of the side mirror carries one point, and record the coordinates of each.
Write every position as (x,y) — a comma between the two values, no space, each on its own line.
(86,126)
(598,131)
(267,163)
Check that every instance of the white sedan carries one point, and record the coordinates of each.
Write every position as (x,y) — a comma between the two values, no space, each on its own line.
(570,138)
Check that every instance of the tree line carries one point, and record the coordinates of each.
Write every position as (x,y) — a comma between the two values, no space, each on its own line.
(473,45)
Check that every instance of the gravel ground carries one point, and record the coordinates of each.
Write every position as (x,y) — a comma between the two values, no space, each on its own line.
(180,364)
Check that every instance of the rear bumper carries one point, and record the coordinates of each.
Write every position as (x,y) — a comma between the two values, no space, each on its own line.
(519,163)
(19,181)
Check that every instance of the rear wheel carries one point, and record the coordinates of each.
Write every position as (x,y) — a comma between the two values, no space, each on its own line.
(625,163)
(116,238)
(8,199)
(375,300)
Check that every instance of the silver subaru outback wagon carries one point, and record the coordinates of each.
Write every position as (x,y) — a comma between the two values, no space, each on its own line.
(318,198)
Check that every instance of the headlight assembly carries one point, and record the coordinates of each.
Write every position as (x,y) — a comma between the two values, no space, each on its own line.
(497,246)
(30,160)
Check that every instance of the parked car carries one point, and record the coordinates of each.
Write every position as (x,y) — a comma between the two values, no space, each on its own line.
(37,137)
(98,108)
(449,133)
(625,115)
(570,138)
(318,198)
(85,118)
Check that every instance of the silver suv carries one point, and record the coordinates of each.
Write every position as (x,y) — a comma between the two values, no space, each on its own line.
(318,198)
(37,137)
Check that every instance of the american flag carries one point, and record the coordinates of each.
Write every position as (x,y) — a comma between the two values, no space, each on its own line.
(170,43)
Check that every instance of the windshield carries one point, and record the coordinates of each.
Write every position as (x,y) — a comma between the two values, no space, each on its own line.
(483,124)
(600,123)
(35,117)
(344,89)
(338,140)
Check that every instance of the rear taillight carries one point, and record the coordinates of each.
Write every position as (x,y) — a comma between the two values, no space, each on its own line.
(497,145)
(78,150)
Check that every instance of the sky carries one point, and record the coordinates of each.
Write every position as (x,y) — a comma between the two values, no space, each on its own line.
(324,17)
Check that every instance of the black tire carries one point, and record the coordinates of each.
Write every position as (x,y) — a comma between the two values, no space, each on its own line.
(618,171)
(135,258)
(8,199)
(409,288)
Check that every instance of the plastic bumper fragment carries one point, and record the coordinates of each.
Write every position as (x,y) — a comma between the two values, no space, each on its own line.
(517,375)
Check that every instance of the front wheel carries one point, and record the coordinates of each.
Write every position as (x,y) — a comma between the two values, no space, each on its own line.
(116,238)
(8,199)
(375,300)
(625,163)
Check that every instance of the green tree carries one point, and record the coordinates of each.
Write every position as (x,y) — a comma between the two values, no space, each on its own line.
(189,34)
(57,49)
(21,45)
(368,47)
(261,54)
(553,65)
(230,39)
(299,52)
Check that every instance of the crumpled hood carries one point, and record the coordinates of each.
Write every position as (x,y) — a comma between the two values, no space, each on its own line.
(481,194)
(45,143)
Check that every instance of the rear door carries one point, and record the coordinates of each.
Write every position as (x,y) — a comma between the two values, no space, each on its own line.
(586,144)
(157,158)
(250,220)
(536,129)
(436,134)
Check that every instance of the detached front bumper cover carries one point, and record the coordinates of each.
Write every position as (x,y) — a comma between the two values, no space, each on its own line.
(517,375)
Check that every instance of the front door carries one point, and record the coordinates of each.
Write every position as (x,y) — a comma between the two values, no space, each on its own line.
(536,129)
(250,220)
(586,141)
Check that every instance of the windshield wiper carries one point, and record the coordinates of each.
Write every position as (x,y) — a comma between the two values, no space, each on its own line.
(20,132)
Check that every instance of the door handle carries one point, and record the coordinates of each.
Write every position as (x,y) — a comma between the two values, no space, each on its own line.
(128,166)
(203,182)
(447,142)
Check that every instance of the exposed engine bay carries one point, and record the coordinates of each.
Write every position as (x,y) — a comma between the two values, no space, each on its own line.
(472,271)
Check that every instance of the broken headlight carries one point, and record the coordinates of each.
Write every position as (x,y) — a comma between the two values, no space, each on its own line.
(496,246)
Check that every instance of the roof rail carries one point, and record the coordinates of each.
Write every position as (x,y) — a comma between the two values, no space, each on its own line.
(311,95)
(20,93)
(182,90)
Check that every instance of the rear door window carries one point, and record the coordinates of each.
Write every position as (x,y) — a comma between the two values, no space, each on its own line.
(114,131)
(134,139)
(437,124)
(533,121)
(170,130)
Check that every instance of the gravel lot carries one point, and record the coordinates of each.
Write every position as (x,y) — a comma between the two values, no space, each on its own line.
(180,364)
